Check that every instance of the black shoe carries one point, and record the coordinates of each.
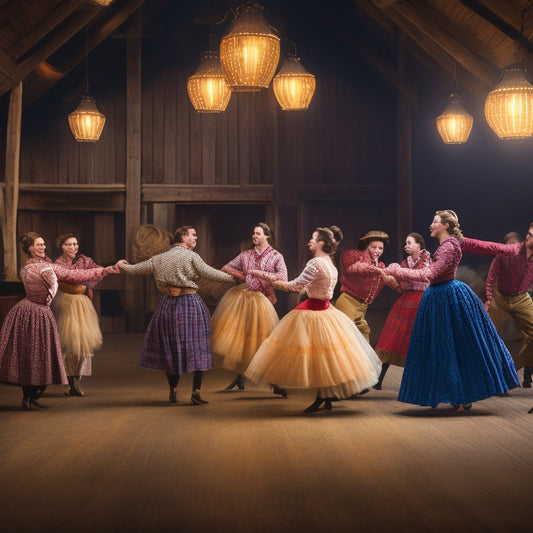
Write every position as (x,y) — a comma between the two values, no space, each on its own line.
(528,371)
(172,398)
(315,405)
(26,404)
(377,386)
(364,391)
(40,391)
(503,394)
(279,390)
(34,402)
(237,382)
(196,399)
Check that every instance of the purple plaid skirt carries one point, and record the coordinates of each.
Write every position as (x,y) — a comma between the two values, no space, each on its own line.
(177,339)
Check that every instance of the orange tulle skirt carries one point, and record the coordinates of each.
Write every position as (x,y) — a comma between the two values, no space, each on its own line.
(316,349)
(241,322)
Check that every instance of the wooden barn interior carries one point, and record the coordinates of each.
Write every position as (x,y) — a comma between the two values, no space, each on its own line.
(365,155)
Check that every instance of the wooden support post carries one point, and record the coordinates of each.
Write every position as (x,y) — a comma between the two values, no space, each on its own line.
(9,196)
(133,299)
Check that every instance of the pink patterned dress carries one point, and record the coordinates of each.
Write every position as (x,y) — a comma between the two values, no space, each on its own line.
(30,353)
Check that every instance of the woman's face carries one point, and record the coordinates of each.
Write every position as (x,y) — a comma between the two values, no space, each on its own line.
(314,245)
(411,246)
(375,249)
(437,227)
(37,249)
(70,247)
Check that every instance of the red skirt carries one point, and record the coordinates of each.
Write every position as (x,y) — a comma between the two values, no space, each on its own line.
(394,339)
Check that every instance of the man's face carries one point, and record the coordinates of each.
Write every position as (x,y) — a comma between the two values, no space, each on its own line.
(190,239)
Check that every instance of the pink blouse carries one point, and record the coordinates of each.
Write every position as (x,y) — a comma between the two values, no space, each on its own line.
(442,267)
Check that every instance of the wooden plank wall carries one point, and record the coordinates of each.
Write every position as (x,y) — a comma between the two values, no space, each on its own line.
(333,164)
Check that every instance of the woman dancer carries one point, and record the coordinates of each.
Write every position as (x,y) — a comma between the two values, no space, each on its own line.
(245,316)
(316,345)
(455,354)
(77,321)
(394,339)
(30,352)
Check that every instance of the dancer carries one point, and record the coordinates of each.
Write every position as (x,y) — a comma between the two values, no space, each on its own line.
(455,354)
(361,279)
(30,352)
(316,345)
(245,316)
(77,321)
(506,288)
(394,339)
(177,338)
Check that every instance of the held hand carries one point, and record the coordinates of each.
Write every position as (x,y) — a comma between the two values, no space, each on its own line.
(392,268)
(486,305)
(119,263)
(110,270)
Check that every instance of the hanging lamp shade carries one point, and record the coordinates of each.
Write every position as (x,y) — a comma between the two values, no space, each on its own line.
(293,86)
(509,106)
(249,50)
(86,122)
(207,87)
(103,2)
(454,124)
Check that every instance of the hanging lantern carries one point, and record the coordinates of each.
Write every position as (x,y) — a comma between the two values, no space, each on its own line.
(207,87)
(293,86)
(103,2)
(249,50)
(86,122)
(454,123)
(509,106)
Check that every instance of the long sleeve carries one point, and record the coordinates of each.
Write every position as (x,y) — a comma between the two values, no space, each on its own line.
(144,267)
(77,276)
(50,280)
(208,272)
(476,246)
(492,277)
(299,284)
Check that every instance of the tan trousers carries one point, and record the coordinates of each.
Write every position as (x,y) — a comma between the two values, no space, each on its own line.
(356,310)
(520,308)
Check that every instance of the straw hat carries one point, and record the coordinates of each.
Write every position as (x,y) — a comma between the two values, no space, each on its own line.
(374,235)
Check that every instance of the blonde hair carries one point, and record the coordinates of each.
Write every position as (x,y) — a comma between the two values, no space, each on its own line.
(447,216)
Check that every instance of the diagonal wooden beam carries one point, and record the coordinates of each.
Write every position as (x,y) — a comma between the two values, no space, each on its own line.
(402,11)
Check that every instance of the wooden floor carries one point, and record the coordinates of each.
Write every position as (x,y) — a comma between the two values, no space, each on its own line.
(123,459)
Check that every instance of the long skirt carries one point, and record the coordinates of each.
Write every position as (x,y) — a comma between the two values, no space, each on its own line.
(79,331)
(455,354)
(30,353)
(240,323)
(393,342)
(316,349)
(177,338)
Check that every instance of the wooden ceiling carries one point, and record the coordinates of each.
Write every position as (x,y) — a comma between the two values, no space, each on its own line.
(41,41)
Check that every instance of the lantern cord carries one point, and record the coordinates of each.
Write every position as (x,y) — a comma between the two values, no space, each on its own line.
(86,93)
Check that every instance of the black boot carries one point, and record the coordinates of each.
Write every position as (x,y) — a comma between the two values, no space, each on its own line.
(328,402)
(528,372)
(173,380)
(196,399)
(279,390)
(237,382)
(26,396)
(315,405)
(33,399)
(384,369)
(75,389)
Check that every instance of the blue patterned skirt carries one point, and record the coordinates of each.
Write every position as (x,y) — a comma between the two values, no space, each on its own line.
(455,354)
(177,338)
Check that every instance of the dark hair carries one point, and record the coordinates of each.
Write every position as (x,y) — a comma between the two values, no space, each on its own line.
(27,240)
(181,232)
(331,237)
(62,238)
(447,216)
(269,234)
(418,239)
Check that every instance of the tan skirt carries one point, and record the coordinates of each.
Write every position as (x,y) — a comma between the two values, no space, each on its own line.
(240,323)
(316,349)
(79,331)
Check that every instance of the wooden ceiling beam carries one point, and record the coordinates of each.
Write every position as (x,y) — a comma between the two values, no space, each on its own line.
(45,26)
(49,47)
(402,11)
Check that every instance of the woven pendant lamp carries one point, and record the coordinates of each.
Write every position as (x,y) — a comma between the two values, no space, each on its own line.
(294,87)
(509,106)
(249,50)
(86,122)
(207,87)
(454,124)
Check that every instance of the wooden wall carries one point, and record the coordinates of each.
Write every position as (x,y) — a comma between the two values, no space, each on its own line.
(333,164)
